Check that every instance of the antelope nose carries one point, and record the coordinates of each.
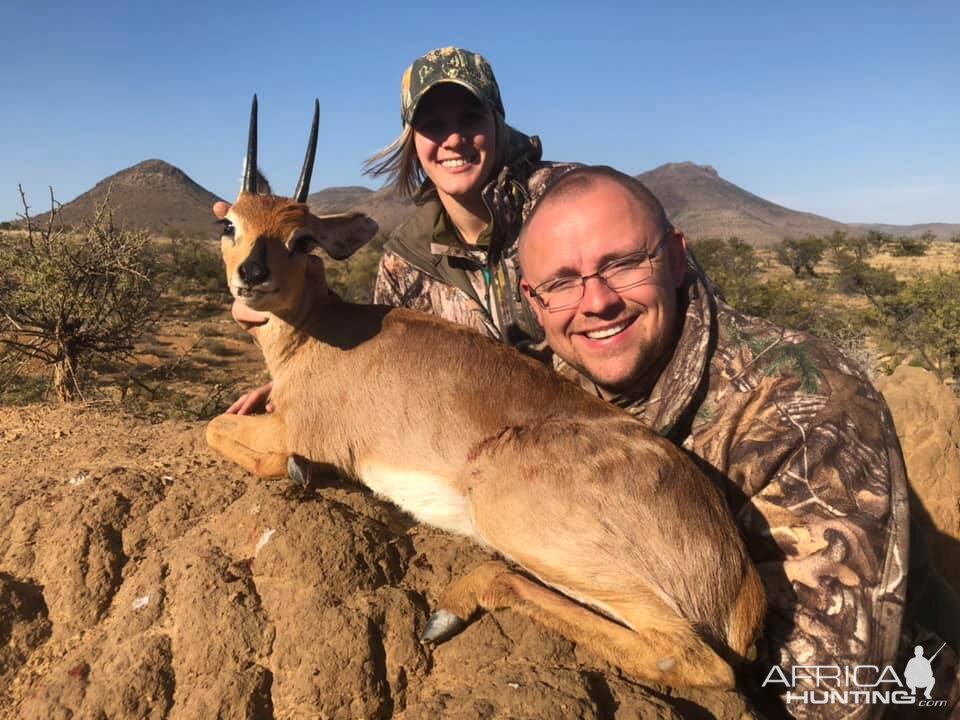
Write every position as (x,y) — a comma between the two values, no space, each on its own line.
(253,272)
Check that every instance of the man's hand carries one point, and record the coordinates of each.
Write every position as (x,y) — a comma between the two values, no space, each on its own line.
(220,209)
(254,402)
(248,318)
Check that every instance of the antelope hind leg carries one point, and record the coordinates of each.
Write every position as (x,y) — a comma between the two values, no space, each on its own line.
(254,442)
(661,648)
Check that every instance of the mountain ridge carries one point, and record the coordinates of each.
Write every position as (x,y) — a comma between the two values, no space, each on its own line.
(162,198)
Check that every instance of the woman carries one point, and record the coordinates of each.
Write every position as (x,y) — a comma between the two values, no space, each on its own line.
(471,176)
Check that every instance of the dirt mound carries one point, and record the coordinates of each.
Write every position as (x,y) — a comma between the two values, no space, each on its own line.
(152,194)
(142,577)
(927,416)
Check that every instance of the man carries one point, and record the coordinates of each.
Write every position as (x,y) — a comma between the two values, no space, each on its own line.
(799,440)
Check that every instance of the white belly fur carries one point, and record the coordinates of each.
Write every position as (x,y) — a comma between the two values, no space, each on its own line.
(427,497)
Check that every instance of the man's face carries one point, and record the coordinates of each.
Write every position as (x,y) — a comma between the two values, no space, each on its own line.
(617,339)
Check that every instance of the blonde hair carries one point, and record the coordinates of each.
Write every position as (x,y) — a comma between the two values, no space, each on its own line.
(398,161)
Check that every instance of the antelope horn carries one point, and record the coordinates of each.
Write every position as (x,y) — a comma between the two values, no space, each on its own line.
(250,164)
(303,186)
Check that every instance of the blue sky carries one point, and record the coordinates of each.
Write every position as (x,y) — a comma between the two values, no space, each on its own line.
(847,109)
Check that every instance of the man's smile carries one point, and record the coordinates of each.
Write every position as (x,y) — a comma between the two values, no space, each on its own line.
(606,334)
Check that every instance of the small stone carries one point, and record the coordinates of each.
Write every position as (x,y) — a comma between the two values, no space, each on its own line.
(264,539)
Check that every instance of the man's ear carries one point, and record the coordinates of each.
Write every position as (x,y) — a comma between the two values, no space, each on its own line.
(532,301)
(677,245)
(342,235)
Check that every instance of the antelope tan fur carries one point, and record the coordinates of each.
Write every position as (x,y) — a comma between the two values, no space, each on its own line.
(636,550)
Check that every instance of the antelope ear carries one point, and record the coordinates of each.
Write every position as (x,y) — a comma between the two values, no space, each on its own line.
(342,235)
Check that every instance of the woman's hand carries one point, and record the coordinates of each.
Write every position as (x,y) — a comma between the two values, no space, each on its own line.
(253,402)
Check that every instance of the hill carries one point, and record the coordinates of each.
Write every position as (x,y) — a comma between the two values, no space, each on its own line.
(940,230)
(703,204)
(338,199)
(152,194)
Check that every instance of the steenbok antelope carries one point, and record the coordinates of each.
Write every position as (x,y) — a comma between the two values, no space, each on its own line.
(636,553)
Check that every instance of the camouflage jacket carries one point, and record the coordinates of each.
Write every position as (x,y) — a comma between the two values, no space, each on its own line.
(425,267)
(806,452)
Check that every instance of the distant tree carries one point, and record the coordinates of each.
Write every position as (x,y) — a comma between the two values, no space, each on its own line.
(735,267)
(925,317)
(856,276)
(732,264)
(840,244)
(877,240)
(66,298)
(955,238)
(801,256)
(353,278)
(906,246)
(191,266)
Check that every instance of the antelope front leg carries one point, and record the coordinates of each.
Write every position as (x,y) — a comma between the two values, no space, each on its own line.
(254,442)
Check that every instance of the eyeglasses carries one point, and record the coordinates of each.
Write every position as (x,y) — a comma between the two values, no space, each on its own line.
(623,273)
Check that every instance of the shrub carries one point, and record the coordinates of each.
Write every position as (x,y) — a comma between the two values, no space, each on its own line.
(911,246)
(732,264)
(801,256)
(353,278)
(877,240)
(192,266)
(842,246)
(925,317)
(66,298)
(855,276)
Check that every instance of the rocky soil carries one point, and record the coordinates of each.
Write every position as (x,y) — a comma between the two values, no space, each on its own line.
(143,577)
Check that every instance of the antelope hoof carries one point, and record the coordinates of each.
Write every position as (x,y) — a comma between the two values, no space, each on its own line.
(298,470)
(441,626)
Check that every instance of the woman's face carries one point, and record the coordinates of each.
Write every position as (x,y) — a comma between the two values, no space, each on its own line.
(454,135)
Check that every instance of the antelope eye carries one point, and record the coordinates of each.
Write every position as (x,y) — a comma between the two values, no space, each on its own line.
(303,244)
(227,229)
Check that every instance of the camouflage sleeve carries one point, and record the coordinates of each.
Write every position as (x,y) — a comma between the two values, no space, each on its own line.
(828,533)
(399,284)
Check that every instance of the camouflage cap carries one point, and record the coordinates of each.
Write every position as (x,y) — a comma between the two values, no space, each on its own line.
(453,65)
